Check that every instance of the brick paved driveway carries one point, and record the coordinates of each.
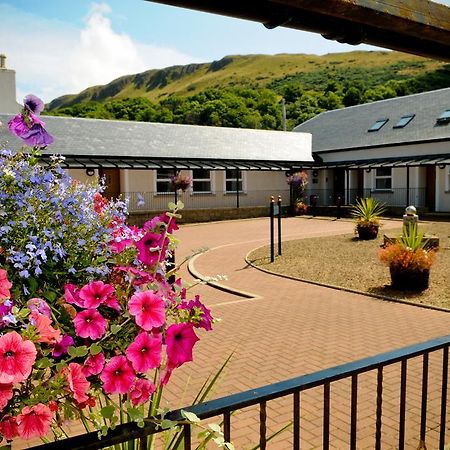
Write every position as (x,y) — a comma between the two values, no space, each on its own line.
(290,328)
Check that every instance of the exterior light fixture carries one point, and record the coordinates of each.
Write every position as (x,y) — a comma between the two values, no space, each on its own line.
(441,166)
(90,172)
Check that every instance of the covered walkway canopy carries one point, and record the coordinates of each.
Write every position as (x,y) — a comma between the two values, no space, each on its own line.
(420,27)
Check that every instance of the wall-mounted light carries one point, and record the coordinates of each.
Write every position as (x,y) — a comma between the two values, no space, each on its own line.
(315,173)
(90,172)
(368,170)
(441,166)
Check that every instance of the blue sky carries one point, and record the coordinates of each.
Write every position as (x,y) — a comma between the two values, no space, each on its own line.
(60,47)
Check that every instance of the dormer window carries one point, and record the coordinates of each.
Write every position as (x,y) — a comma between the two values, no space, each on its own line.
(378,124)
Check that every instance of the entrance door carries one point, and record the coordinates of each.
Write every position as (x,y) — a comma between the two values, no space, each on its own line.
(430,200)
(112,182)
(338,184)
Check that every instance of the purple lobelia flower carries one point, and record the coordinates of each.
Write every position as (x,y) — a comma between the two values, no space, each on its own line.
(33,104)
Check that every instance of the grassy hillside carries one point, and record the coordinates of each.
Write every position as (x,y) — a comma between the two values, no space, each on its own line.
(256,71)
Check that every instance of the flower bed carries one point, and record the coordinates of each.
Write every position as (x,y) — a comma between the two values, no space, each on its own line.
(91,328)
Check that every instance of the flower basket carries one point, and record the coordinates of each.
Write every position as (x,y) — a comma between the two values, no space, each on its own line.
(181,182)
(409,279)
(367,232)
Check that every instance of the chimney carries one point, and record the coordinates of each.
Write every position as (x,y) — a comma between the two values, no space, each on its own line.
(8,103)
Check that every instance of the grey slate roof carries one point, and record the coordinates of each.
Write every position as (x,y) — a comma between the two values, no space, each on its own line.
(108,139)
(347,128)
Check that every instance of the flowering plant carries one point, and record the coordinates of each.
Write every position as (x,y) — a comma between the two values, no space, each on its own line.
(90,327)
(182,182)
(298,182)
(301,207)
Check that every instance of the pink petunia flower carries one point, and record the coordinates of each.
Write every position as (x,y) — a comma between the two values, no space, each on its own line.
(8,427)
(5,285)
(46,333)
(77,382)
(204,319)
(90,324)
(141,391)
(180,340)
(137,277)
(144,352)
(95,293)
(39,305)
(16,358)
(34,421)
(94,364)
(117,376)
(72,295)
(113,303)
(6,394)
(62,346)
(148,248)
(162,219)
(147,309)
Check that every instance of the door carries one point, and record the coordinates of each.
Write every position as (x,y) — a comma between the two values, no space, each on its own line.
(338,184)
(112,182)
(430,200)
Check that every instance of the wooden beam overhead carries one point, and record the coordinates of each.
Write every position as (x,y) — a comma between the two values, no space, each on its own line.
(419,27)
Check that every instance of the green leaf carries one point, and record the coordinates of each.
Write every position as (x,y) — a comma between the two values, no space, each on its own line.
(219,440)
(107,411)
(215,427)
(43,363)
(72,351)
(180,204)
(82,350)
(228,446)
(115,328)
(190,416)
(140,424)
(50,295)
(95,349)
(172,206)
(33,283)
(168,424)
(135,414)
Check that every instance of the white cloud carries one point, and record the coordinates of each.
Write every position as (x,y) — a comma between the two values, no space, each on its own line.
(52,58)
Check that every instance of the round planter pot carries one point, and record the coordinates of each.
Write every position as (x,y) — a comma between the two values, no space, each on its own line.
(409,280)
(367,233)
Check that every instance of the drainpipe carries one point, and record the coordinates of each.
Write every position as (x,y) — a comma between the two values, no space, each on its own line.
(237,188)
(407,186)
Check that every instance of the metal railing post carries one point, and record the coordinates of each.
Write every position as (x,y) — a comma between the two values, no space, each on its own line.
(272,231)
(279,225)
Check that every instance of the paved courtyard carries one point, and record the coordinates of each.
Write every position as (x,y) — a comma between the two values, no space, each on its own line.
(288,328)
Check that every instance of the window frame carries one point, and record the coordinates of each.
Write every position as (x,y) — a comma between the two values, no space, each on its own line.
(377,177)
(242,180)
(407,117)
(374,127)
(211,180)
(163,180)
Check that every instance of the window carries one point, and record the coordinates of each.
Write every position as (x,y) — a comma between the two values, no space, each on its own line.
(201,180)
(404,120)
(444,118)
(378,124)
(383,178)
(234,177)
(163,183)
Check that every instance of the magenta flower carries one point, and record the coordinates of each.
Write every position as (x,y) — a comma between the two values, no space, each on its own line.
(141,391)
(95,293)
(180,340)
(203,317)
(72,295)
(78,384)
(5,285)
(144,352)
(33,104)
(148,248)
(34,421)
(90,324)
(31,130)
(117,376)
(8,427)
(162,219)
(147,309)
(62,346)
(6,394)
(94,364)
(16,358)
(39,305)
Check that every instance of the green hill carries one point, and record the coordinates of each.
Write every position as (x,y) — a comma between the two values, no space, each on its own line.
(252,86)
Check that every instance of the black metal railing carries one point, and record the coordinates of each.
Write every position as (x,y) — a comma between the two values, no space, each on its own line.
(157,201)
(398,197)
(224,407)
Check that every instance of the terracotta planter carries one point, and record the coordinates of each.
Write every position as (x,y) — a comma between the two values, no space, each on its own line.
(409,280)
(367,232)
